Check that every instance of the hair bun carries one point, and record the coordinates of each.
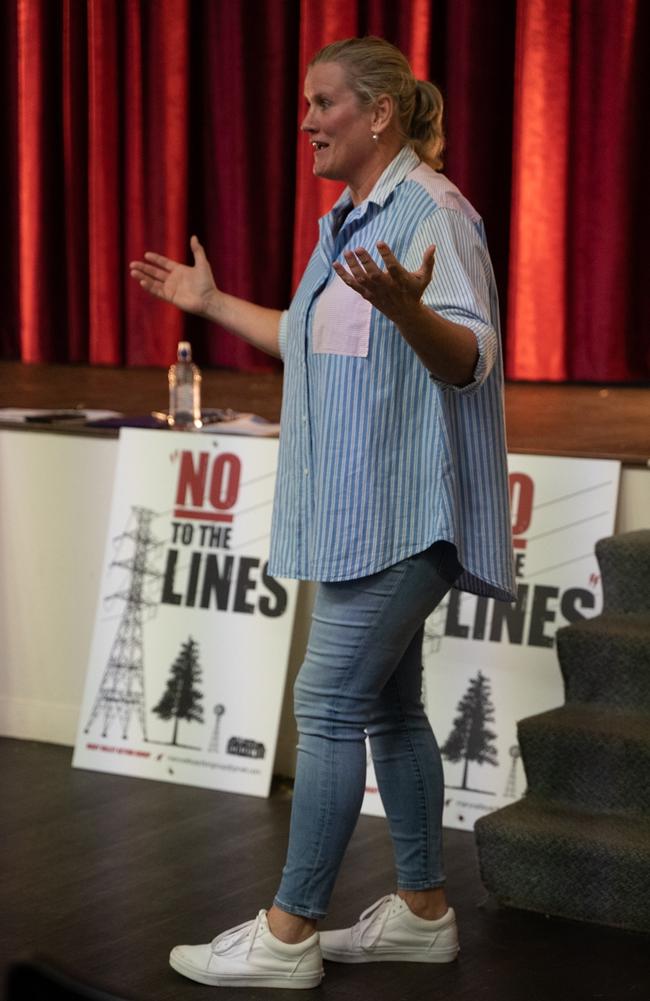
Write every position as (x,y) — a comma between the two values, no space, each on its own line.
(426,124)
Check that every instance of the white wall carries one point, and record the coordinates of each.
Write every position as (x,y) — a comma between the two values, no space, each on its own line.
(55,496)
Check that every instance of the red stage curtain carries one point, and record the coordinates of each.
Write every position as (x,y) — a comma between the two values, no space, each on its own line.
(577,310)
(131,125)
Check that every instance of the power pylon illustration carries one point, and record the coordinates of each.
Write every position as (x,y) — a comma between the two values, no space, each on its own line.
(121,692)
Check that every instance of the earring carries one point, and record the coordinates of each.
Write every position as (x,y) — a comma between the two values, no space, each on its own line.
(375,137)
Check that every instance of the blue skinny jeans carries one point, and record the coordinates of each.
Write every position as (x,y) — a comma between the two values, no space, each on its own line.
(362,676)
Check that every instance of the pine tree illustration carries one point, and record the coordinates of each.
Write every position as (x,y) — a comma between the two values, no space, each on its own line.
(181,699)
(470,738)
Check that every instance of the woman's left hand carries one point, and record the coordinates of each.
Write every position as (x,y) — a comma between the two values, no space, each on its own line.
(393,291)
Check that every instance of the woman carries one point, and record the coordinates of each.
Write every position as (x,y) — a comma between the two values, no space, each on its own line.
(391,487)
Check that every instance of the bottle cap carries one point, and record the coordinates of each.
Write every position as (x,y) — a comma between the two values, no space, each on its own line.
(184,350)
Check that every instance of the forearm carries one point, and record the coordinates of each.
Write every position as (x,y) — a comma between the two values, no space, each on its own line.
(448,350)
(257,325)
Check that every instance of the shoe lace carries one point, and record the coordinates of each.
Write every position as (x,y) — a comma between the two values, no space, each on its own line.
(227,939)
(371,923)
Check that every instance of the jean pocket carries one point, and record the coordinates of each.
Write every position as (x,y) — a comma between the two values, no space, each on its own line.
(341,322)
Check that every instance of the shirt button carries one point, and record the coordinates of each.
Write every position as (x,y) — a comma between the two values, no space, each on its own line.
(306,471)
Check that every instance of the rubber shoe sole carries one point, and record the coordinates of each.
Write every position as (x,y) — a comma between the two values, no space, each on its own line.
(388,931)
(401,955)
(299,981)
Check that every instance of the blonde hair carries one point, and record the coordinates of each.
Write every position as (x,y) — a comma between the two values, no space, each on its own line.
(373,67)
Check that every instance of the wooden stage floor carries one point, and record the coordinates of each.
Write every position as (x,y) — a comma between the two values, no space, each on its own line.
(604,422)
(102,874)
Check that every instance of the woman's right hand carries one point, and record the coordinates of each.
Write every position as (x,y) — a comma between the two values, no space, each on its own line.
(190,288)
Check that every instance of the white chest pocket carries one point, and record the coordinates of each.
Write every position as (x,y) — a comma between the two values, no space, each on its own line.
(341,321)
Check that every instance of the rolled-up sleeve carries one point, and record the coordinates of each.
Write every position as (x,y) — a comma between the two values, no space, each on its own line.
(462,287)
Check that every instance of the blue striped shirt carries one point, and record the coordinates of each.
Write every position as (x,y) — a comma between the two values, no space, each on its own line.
(378,460)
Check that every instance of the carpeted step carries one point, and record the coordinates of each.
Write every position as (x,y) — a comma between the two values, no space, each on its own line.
(592,758)
(624,562)
(568,864)
(607,660)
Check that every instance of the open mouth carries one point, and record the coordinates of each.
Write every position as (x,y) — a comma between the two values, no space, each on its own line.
(318,146)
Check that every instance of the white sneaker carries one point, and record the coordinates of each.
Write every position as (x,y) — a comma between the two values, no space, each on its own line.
(390,931)
(251,956)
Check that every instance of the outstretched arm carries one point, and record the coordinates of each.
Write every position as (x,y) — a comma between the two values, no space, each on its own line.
(193,289)
(448,350)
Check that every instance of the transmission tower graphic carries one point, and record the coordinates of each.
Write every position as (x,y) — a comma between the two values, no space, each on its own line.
(121,693)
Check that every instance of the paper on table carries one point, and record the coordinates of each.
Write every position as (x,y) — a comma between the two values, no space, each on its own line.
(250,424)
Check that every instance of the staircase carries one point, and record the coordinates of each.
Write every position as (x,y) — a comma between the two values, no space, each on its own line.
(578,844)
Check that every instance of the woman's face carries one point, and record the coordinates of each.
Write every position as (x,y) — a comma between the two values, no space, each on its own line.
(339,127)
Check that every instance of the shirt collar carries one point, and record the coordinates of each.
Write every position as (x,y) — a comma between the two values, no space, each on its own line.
(399,167)
(405,161)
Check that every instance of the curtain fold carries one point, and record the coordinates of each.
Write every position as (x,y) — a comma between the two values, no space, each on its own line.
(75,177)
(479,60)
(155,166)
(36,278)
(601,193)
(578,279)
(105,287)
(131,126)
(9,174)
(242,209)
(538,252)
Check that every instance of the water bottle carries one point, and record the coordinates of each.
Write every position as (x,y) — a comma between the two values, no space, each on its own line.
(184,390)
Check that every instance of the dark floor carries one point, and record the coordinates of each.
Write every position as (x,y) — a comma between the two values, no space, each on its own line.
(103,874)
